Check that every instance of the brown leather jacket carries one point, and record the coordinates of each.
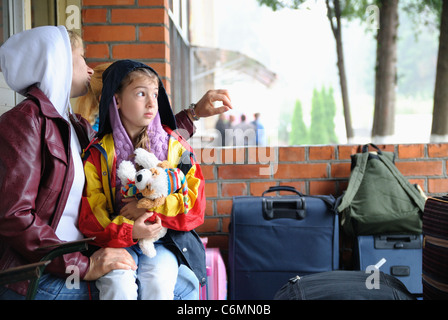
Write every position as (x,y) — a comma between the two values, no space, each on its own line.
(36,172)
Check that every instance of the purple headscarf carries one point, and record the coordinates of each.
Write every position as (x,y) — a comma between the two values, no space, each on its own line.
(124,149)
(110,121)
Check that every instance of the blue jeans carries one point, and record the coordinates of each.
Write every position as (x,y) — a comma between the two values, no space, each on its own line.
(55,288)
(158,278)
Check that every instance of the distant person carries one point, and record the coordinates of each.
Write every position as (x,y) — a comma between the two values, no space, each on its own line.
(260,135)
(229,131)
(244,133)
(222,125)
(231,121)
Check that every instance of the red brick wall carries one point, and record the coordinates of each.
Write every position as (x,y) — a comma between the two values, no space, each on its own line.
(128,29)
(310,169)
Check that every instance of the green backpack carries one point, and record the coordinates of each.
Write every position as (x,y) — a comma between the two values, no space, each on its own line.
(379,200)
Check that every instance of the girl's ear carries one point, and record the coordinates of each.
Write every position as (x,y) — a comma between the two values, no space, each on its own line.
(117,99)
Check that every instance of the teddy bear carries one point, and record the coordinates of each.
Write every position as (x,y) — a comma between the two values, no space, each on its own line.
(151,183)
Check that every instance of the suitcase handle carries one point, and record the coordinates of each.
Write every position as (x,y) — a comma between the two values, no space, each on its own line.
(283,188)
(289,208)
(397,242)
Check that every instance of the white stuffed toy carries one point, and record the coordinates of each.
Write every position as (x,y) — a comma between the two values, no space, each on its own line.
(154,182)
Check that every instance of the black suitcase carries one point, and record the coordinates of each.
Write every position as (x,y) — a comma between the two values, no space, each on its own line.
(344,285)
(275,238)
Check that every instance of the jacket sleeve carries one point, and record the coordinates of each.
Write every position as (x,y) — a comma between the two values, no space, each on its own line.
(96,208)
(185,127)
(25,223)
(173,213)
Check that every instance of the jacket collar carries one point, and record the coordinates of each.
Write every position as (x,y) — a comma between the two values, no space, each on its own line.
(47,108)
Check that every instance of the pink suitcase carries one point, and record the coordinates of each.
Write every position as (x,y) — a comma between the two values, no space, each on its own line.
(216,275)
(216,288)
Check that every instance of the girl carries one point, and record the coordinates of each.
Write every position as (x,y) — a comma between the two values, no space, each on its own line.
(135,112)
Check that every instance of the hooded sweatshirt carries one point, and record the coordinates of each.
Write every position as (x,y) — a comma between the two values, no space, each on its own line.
(50,68)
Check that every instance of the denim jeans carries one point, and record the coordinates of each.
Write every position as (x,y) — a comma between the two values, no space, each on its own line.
(158,278)
(186,285)
(55,288)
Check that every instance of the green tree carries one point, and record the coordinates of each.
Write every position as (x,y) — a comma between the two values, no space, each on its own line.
(330,111)
(318,133)
(299,132)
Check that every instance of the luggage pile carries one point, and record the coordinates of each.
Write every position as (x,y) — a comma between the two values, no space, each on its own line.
(383,212)
(287,247)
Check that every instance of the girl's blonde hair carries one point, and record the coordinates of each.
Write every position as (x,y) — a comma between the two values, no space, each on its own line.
(88,105)
(143,140)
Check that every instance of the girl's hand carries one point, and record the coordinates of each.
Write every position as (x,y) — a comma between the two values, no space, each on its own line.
(143,229)
(130,210)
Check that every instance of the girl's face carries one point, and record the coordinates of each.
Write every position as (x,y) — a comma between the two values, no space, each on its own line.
(137,104)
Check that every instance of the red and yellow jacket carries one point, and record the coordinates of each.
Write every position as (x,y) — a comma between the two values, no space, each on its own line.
(97,217)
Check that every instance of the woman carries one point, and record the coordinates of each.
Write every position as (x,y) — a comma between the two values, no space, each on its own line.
(41,170)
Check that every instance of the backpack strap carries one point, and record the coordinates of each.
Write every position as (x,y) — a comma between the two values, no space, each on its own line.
(95,144)
(355,180)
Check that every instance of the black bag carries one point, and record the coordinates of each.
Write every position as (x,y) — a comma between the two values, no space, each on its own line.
(274,238)
(344,285)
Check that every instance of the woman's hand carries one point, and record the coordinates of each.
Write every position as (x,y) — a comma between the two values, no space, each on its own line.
(130,210)
(105,260)
(205,107)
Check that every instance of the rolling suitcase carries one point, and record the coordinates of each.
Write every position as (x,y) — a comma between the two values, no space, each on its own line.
(403,255)
(435,249)
(216,275)
(344,285)
(273,238)
(216,287)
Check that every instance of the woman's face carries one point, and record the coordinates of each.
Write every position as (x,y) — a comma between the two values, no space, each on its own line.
(137,104)
(82,73)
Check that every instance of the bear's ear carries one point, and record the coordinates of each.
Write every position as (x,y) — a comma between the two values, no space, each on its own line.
(154,172)
(164,164)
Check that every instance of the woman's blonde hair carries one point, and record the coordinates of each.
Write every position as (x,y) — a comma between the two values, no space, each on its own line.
(75,39)
(88,105)
(143,140)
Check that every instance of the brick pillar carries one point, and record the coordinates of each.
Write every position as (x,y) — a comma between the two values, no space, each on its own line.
(128,29)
